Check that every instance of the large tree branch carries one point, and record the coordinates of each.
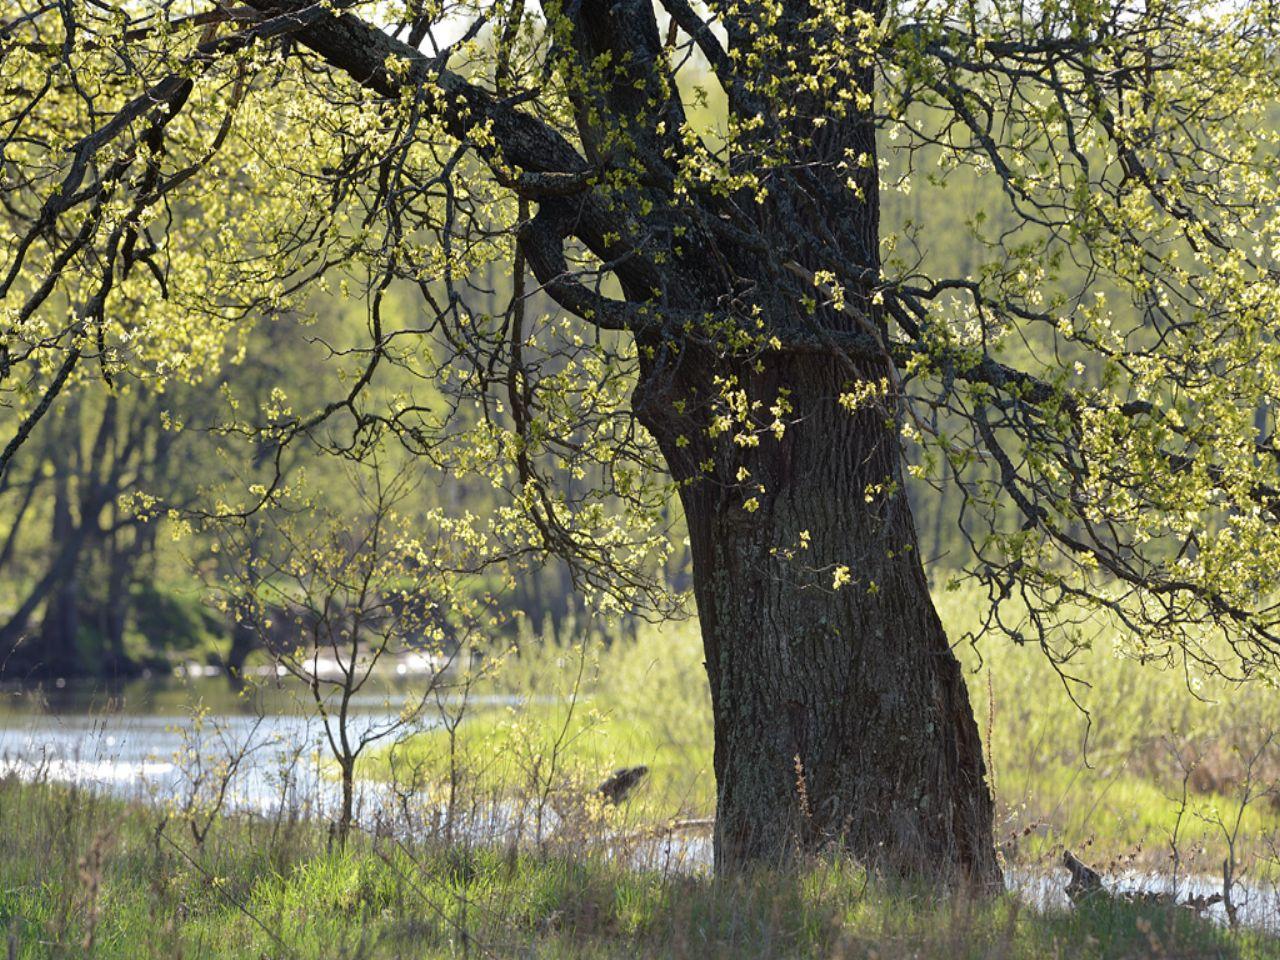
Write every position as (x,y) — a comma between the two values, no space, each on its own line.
(373,59)
(528,154)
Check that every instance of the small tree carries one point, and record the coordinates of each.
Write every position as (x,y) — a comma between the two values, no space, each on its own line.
(209,760)
(341,594)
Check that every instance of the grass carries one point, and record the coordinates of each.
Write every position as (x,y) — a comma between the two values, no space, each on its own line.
(502,747)
(82,875)
(580,711)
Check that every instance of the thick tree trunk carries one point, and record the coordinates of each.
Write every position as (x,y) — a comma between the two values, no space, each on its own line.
(56,589)
(122,564)
(841,716)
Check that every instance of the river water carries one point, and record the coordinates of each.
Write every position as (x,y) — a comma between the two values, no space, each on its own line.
(164,742)
(160,740)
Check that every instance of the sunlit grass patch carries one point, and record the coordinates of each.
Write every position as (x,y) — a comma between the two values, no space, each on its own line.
(512,750)
(570,714)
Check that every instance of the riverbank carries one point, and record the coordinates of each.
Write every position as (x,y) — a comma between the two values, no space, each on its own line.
(496,791)
(82,874)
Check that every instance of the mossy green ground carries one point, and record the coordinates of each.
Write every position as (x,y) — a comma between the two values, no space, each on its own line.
(82,876)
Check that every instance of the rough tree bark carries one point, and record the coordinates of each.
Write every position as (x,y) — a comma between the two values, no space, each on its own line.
(841,715)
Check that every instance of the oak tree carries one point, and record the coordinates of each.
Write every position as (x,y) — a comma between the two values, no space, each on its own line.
(704,299)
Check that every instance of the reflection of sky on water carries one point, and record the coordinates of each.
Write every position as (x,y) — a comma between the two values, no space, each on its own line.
(137,756)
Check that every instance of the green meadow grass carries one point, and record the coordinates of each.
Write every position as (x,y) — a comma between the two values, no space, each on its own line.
(1151,760)
(86,876)
(581,710)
